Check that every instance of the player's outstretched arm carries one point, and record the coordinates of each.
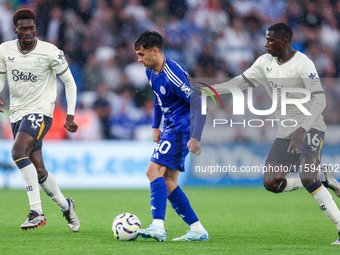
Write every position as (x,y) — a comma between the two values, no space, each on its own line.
(1,103)
(70,125)
(193,146)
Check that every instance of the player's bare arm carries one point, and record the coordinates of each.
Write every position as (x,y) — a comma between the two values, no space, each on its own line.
(70,125)
(156,135)
(194,147)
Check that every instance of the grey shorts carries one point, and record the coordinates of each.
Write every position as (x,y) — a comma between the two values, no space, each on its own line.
(311,148)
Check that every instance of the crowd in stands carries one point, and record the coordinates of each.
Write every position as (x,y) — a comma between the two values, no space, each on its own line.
(210,38)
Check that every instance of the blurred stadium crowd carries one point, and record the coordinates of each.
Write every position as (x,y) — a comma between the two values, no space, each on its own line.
(211,38)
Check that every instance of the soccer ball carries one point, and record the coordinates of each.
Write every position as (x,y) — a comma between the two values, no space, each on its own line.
(124,227)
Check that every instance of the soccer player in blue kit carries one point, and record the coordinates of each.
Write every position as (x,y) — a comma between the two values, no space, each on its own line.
(173,98)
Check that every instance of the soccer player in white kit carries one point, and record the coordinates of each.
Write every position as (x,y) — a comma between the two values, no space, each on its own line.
(296,145)
(31,67)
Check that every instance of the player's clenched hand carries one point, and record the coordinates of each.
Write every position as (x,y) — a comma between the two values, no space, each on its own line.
(1,103)
(70,125)
(156,135)
(193,146)
(298,136)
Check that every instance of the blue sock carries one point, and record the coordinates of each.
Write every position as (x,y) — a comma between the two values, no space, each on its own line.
(159,193)
(180,202)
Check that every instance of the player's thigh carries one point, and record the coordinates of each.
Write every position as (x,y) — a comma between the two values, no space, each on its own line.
(23,145)
(35,127)
(279,161)
(172,151)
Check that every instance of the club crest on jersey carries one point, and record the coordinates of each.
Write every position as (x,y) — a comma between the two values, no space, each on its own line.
(11,59)
(291,73)
(163,91)
(39,61)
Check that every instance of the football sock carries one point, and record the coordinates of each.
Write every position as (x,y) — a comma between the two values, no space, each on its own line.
(30,179)
(49,185)
(290,183)
(159,223)
(159,193)
(197,227)
(180,202)
(326,202)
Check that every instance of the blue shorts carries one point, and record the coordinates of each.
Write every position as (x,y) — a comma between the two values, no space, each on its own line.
(311,148)
(36,125)
(172,150)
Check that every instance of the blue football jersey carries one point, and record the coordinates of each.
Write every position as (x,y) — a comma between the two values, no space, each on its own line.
(172,92)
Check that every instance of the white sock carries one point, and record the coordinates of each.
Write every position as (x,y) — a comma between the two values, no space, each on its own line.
(52,190)
(293,182)
(29,177)
(197,227)
(159,223)
(328,206)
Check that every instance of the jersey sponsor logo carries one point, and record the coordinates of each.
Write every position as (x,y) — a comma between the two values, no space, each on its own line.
(163,91)
(269,70)
(155,155)
(186,89)
(11,59)
(17,75)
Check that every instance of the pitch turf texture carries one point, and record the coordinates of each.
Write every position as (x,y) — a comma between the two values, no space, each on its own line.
(239,221)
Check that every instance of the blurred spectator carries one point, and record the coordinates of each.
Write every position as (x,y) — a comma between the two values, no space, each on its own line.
(57,130)
(124,115)
(160,9)
(212,16)
(234,46)
(55,26)
(84,10)
(88,124)
(92,73)
(111,74)
(102,107)
(6,23)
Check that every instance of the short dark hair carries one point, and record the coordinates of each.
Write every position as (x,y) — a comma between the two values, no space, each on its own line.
(282,30)
(23,14)
(149,39)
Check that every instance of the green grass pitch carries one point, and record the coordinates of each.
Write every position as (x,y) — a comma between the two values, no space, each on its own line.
(239,221)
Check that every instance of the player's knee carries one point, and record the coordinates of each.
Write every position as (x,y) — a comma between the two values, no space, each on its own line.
(17,153)
(152,174)
(270,184)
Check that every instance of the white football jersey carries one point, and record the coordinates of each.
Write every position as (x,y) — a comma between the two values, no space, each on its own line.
(31,77)
(297,72)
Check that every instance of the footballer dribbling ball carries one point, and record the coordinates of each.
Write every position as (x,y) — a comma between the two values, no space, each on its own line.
(125,226)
